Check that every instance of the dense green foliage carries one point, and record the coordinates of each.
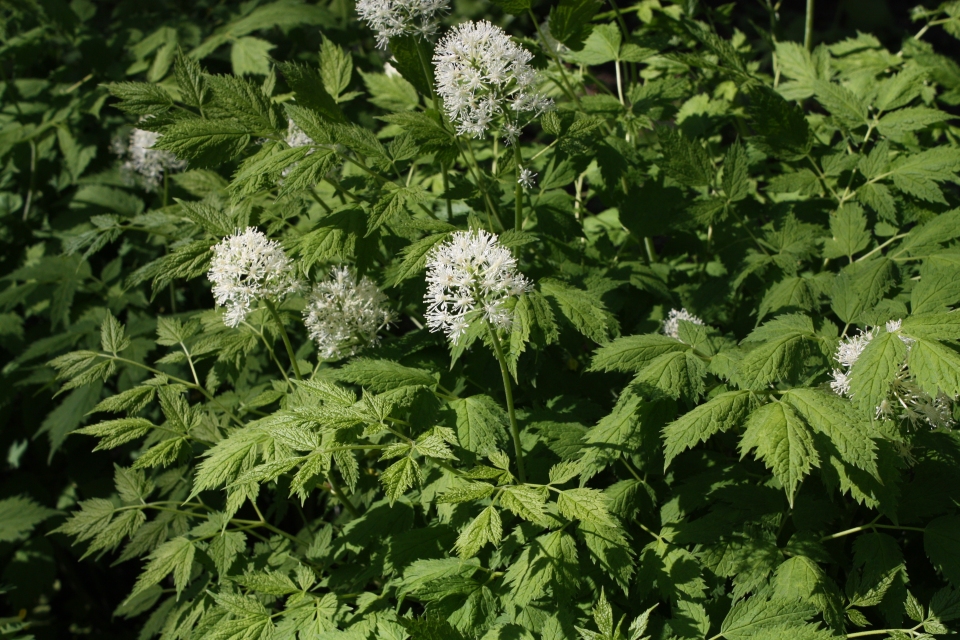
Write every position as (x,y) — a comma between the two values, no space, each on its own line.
(594,471)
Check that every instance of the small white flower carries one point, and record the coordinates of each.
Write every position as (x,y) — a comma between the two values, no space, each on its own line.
(296,137)
(904,399)
(247,267)
(470,272)
(840,383)
(484,77)
(344,315)
(391,18)
(527,178)
(671,326)
(142,159)
(850,348)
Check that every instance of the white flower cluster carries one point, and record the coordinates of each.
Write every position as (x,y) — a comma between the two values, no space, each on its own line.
(671,326)
(142,159)
(296,137)
(343,314)
(906,400)
(485,78)
(527,178)
(391,18)
(470,271)
(247,267)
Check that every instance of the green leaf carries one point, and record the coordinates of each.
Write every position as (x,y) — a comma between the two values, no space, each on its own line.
(526,502)
(250,55)
(757,618)
(721,413)
(918,174)
(409,51)
(114,433)
(516,7)
(781,127)
(582,309)
(676,374)
(783,441)
(485,528)
(588,505)
(601,46)
(392,93)
(308,87)
(631,353)
(735,173)
(112,339)
(941,541)
(833,416)
(904,121)
(336,67)
(936,326)
(850,235)
(841,102)
(875,369)
(860,286)
(934,366)
(174,556)
(140,98)
(19,516)
(383,375)
(799,578)
(207,143)
(938,289)
(685,160)
(570,21)
(399,477)
(481,424)
(780,356)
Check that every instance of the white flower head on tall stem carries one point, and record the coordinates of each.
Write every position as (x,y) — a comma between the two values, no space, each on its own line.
(392,18)
(470,272)
(671,326)
(485,80)
(344,314)
(248,267)
(141,158)
(527,178)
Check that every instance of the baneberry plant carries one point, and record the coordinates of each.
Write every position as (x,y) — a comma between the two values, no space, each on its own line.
(612,325)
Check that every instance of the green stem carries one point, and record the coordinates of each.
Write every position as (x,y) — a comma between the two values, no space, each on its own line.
(808,27)
(508,390)
(565,86)
(342,498)
(518,189)
(286,338)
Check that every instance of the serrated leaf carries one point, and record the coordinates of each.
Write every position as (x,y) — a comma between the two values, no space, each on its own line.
(485,528)
(935,367)
(875,369)
(849,228)
(833,416)
(19,515)
(174,556)
(723,412)
(783,441)
(482,424)
(582,309)
(631,353)
(383,375)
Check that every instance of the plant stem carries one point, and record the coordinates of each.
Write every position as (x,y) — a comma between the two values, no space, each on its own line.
(518,189)
(286,338)
(808,27)
(508,390)
(565,86)
(342,498)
